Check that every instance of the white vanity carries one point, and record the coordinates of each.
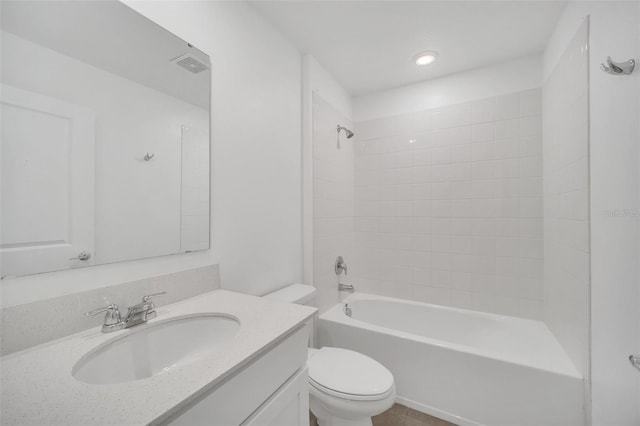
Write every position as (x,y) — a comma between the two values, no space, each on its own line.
(220,358)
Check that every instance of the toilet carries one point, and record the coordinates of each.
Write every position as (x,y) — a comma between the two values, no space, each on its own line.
(346,388)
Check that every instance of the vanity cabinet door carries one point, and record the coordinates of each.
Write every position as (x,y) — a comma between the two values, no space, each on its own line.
(287,407)
(238,400)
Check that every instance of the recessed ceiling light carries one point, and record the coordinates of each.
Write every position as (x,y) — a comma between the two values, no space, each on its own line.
(425,58)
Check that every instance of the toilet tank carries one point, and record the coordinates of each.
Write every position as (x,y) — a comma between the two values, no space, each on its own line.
(300,294)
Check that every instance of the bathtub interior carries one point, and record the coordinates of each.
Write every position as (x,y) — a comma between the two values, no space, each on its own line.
(510,339)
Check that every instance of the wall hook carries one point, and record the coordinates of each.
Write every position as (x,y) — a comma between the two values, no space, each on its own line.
(148,157)
(618,68)
(635,361)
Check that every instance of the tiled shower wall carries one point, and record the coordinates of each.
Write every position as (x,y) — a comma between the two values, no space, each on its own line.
(448,205)
(333,188)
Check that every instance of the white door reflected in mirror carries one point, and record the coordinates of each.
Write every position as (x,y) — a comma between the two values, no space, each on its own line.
(47,182)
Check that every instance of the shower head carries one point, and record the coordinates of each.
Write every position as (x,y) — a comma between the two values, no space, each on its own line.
(347,132)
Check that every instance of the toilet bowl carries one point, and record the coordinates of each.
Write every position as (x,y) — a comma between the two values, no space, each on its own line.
(346,388)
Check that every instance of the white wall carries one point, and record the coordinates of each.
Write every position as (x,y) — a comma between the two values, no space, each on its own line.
(615,191)
(566,201)
(256,151)
(315,80)
(324,84)
(481,83)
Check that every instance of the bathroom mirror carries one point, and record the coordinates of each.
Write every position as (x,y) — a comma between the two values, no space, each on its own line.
(105,137)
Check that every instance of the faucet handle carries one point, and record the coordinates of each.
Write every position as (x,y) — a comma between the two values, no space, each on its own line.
(112,320)
(150,308)
(340,266)
(147,297)
(110,309)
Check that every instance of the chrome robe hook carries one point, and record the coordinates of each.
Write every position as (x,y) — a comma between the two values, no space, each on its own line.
(618,68)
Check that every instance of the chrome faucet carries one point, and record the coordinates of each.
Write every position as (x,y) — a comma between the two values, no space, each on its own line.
(136,314)
(142,312)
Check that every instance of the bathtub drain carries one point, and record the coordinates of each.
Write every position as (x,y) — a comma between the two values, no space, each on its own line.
(347,310)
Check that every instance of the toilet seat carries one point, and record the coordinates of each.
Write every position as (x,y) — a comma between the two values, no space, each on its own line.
(350,397)
(349,375)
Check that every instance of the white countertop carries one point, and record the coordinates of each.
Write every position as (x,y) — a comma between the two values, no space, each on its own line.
(38,388)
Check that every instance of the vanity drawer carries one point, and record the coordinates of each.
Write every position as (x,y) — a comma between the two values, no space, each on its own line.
(289,406)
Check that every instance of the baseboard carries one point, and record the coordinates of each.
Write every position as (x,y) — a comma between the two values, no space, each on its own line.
(460,421)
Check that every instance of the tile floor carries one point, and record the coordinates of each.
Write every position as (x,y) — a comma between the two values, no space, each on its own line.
(399,415)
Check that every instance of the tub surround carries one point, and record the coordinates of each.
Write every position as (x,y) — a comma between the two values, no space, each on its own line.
(448,205)
(567,258)
(30,324)
(39,387)
(333,224)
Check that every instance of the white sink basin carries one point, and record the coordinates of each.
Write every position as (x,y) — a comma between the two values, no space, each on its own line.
(157,349)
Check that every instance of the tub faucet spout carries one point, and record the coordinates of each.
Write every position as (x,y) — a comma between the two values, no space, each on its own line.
(346,287)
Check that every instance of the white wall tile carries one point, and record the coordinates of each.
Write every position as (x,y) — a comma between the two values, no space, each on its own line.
(507,107)
(482,132)
(441,155)
(507,129)
(530,126)
(483,151)
(338,209)
(506,148)
(461,206)
(482,111)
(421,157)
(530,103)
(461,171)
(505,188)
(460,135)
(482,170)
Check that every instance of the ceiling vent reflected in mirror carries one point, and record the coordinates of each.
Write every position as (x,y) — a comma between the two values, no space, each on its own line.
(190,63)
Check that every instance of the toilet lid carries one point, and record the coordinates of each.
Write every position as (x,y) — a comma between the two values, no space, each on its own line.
(348,372)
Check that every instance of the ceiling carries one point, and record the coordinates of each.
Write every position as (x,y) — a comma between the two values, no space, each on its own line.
(113,37)
(369,45)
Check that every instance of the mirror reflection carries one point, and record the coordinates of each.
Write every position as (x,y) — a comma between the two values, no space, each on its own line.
(105,137)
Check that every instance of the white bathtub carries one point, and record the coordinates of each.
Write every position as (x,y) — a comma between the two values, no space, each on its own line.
(468,367)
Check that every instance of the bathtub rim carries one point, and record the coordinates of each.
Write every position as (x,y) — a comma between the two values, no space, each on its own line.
(335,314)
